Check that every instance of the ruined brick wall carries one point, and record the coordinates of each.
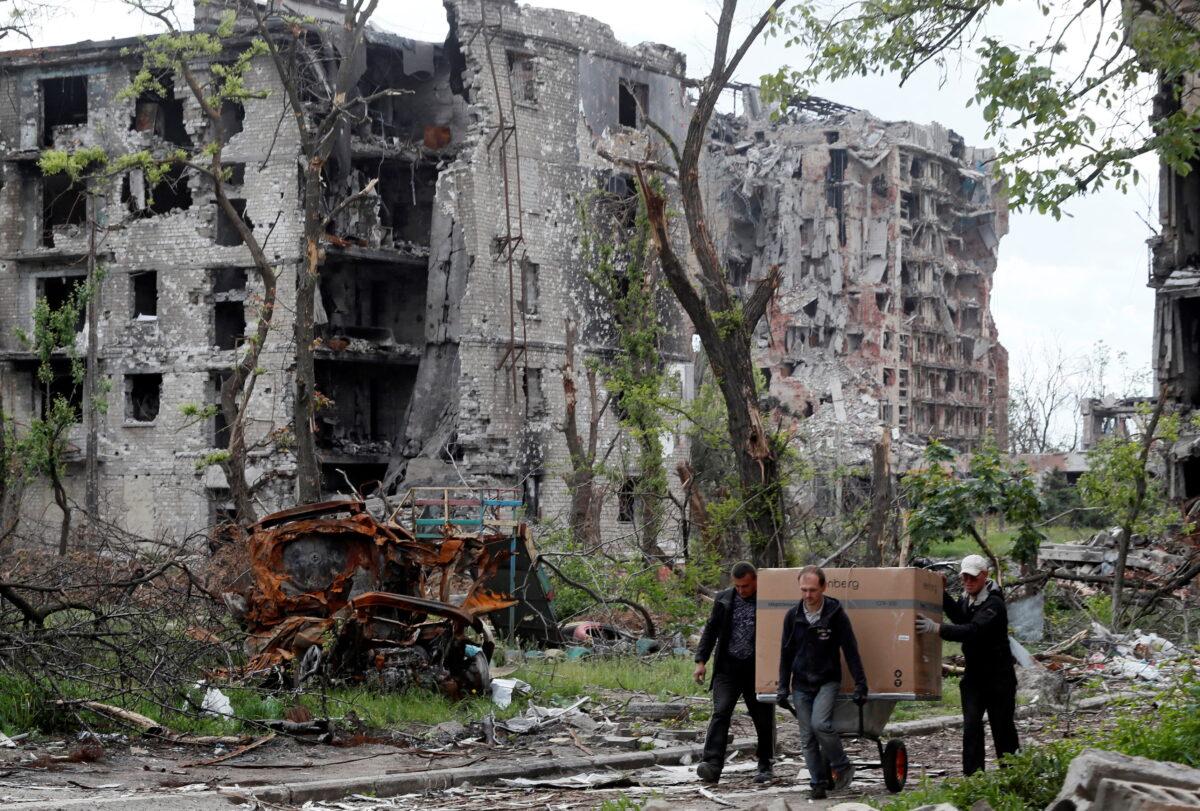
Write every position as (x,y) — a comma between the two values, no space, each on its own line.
(148,452)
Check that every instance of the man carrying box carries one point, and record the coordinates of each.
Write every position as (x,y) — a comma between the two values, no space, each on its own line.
(815,635)
(989,683)
(729,633)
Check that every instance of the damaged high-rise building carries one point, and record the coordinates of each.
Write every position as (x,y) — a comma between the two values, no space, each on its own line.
(886,235)
(445,286)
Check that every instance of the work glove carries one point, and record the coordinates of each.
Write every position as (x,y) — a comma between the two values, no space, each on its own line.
(860,694)
(924,625)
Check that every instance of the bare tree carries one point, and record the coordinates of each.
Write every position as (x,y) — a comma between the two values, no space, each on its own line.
(723,322)
(1043,401)
(583,480)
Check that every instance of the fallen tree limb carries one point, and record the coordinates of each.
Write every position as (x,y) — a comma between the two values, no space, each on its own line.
(650,630)
(135,719)
(241,750)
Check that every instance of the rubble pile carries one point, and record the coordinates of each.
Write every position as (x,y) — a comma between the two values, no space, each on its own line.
(1098,556)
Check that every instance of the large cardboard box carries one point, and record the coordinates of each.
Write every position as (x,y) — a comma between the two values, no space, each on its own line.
(882,605)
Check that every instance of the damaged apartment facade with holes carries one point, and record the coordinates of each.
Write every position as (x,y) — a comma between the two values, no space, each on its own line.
(1175,279)
(443,296)
(886,234)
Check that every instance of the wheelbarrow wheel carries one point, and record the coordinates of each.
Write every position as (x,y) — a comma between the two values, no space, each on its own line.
(895,765)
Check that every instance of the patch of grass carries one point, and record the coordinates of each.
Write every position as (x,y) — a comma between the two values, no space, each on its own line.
(1034,775)
(950,704)
(1001,541)
(664,678)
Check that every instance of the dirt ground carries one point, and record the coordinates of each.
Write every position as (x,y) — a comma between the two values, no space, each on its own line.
(38,774)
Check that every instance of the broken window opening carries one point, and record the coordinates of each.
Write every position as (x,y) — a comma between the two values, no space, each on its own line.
(171,193)
(229,324)
(854,341)
(529,286)
(59,291)
(832,136)
(64,203)
(633,100)
(161,113)
(885,413)
(1188,315)
(627,501)
(364,476)
(835,192)
(888,339)
(228,280)
(381,303)
(235,174)
(906,205)
(810,309)
(233,120)
(883,302)
(62,385)
(220,426)
(532,487)
(143,289)
(368,404)
(535,398)
(228,234)
(522,77)
(405,204)
(64,104)
(739,271)
(143,393)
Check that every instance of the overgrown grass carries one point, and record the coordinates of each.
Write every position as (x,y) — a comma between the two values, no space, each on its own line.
(664,678)
(1035,774)
(950,704)
(1001,541)
(26,707)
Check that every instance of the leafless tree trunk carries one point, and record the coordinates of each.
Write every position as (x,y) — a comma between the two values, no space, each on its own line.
(1043,394)
(586,498)
(881,498)
(724,323)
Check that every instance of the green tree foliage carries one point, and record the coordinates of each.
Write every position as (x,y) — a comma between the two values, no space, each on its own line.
(945,505)
(620,266)
(1115,467)
(41,449)
(1067,108)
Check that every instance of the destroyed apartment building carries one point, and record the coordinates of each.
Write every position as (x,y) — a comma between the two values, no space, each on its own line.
(1175,279)
(886,235)
(444,294)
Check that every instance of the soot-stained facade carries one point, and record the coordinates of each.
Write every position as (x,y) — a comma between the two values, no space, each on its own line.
(444,293)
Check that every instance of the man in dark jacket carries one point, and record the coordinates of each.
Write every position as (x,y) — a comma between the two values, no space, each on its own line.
(989,684)
(816,633)
(729,633)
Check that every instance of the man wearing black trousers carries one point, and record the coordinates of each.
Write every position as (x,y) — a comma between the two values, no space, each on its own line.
(989,684)
(729,634)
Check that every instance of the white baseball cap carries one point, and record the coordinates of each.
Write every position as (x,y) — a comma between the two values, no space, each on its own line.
(973,565)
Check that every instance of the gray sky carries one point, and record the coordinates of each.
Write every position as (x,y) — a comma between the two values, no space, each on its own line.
(1072,282)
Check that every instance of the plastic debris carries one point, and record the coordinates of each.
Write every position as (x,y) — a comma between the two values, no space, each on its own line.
(503,689)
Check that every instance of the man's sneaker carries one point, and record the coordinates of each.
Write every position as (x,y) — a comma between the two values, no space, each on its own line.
(818,792)
(708,773)
(842,777)
(765,775)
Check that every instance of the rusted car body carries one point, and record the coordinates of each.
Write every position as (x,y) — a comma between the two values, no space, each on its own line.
(396,602)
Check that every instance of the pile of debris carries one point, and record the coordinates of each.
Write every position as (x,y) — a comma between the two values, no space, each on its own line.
(1098,556)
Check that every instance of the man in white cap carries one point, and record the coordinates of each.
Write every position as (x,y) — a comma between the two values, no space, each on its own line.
(979,620)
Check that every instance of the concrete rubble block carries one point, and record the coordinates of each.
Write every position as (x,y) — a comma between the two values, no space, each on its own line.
(1123,795)
(1081,788)
(851,807)
(938,807)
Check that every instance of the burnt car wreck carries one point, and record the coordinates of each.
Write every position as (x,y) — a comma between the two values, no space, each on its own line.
(399,602)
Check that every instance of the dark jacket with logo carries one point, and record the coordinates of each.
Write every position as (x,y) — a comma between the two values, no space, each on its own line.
(717,631)
(983,631)
(811,654)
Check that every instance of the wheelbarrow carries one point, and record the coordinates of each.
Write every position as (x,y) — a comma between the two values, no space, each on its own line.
(866,721)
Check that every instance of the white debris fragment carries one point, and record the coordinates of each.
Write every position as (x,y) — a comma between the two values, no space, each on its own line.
(502,690)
